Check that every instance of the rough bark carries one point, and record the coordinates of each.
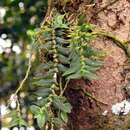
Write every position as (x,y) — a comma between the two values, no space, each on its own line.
(87,114)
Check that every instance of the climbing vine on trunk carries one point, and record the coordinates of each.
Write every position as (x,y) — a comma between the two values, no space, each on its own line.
(67,54)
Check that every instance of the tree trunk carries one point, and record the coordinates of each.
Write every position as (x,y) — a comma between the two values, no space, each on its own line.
(114,75)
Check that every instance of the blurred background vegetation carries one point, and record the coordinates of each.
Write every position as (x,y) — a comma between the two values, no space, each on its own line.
(16,18)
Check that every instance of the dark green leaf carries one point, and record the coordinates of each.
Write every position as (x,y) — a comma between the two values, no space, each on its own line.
(58,103)
(63,50)
(46,46)
(91,68)
(44,92)
(34,109)
(22,122)
(41,102)
(89,75)
(72,70)
(61,41)
(64,116)
(41,119)
(62,68)
(63,59)
(43,82)
(58,122)
(76,75)
(67,107)
(93,63)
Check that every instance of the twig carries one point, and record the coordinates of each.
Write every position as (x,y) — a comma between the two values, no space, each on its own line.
(91,96)
(66,85)
(30,57)
(94,98)
(117,41)
(103,8)
(60,84)
(26,75)
(48,12)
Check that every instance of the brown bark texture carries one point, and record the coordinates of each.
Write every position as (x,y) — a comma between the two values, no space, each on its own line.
(114,74)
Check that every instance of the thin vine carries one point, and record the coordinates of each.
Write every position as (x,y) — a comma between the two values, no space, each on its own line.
(122,44)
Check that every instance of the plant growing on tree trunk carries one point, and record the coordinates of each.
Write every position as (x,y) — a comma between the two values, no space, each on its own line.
(67,54)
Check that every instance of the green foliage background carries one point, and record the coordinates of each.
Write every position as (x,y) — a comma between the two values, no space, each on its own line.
(16,22)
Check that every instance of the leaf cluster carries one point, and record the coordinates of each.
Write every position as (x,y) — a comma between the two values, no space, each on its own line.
(49,106)
(66,54)
(82,62)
